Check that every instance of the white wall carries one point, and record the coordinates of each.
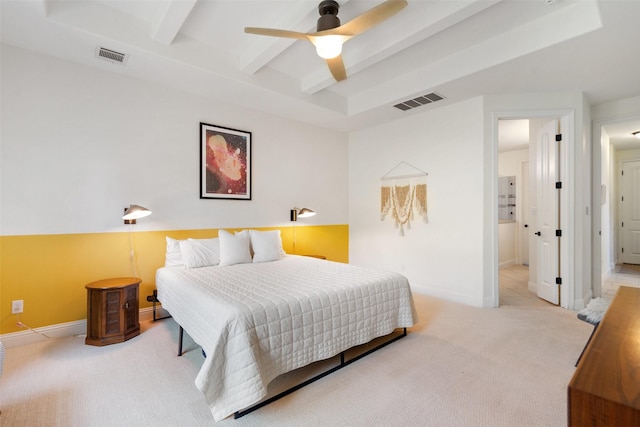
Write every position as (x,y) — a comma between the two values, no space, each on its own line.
(507,244)
(608,189)
(584,209)
(79,145)
(510,164)
(616,110)
(444,257)
(455,255)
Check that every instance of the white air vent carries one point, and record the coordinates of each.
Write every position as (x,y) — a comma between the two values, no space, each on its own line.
(111,55)
(420,100)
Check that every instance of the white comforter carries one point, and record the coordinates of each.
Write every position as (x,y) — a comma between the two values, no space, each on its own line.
(258,321)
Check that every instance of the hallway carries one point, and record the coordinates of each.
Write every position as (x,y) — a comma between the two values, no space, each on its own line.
(514,288)
(624,275)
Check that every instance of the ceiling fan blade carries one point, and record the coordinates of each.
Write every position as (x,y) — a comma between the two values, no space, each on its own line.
(275,33)
(336,66)
(369,19)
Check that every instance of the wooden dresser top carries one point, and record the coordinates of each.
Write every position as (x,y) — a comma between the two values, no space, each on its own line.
(610,367)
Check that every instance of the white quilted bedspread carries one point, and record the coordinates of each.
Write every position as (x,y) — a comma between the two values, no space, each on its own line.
(258,321)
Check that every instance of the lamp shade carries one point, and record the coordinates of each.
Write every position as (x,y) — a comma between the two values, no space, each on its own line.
(302,213)
(135,211)
(305,213)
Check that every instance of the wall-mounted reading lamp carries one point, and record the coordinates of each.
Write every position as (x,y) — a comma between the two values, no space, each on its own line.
(295,214)
(134,212)
(301,213)
(636,134)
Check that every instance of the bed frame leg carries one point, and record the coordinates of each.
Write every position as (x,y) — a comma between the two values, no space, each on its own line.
(180,341)
(342,364)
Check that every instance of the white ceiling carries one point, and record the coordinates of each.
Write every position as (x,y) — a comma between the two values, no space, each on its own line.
(620,135)
(459,49)
(513,134)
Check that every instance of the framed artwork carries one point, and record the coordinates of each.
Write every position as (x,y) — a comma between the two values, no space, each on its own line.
(225,163)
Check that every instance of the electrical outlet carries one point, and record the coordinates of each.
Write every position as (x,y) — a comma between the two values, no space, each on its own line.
(17,306)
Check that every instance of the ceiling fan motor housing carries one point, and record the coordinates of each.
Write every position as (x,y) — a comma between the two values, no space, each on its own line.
(328,20)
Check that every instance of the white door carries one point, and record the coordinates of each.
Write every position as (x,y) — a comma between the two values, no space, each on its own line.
(547,212)
(630,201)
(525,229)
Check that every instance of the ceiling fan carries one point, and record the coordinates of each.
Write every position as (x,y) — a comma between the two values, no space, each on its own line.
(330,35)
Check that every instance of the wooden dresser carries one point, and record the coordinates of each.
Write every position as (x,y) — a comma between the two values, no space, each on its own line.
(605,389)
(112,310)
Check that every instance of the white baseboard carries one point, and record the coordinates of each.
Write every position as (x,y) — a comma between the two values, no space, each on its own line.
(607,273)
(31,336)
(580,304)
(60,330)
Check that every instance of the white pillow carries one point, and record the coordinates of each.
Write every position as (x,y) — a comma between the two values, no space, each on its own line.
(173,257)
(234,248)
(200,252)
(267,245)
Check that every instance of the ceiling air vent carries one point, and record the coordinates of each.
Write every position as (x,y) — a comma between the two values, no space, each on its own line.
(111,55)
(417,102)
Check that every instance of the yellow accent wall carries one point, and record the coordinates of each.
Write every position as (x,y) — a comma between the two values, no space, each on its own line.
(49,272)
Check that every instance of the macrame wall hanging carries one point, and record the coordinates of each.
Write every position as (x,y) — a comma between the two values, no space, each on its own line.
(403,189)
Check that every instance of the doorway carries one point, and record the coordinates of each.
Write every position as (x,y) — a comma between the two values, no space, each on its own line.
(548,259)
(513,209)
(613,244)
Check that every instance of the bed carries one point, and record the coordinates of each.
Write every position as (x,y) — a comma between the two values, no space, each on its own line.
(258,320)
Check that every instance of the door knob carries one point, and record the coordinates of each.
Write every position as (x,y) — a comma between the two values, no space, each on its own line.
(538,233)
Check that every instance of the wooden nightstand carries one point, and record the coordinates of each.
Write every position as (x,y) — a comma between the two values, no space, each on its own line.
(112,310)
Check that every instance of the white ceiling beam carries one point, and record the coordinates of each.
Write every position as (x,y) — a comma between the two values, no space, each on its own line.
(571,21)
(262,52)
(413,31)
(168,23)
(263,49)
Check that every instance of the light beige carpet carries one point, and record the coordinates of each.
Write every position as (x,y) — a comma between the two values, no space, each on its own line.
(460,366)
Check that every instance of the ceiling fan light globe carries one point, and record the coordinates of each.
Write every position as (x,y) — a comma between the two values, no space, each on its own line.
(328,47)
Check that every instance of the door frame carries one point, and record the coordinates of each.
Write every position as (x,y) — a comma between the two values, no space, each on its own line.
(521,208)
(596,196)
(567,209)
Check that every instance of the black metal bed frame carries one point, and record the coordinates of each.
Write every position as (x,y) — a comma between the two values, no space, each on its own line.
(321,375)
(153,299)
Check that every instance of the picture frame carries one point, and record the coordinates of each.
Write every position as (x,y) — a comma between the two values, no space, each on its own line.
(225,163)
